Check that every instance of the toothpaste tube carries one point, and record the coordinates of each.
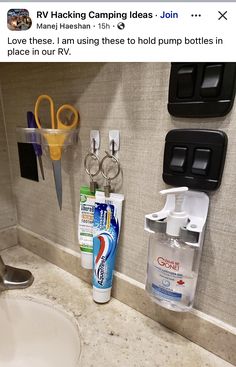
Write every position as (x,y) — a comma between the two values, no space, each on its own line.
(107,221)
(85,230)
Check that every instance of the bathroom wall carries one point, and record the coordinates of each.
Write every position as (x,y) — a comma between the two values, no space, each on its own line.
(7,207)
(130,97)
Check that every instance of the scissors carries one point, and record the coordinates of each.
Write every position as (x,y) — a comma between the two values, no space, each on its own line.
(56,139)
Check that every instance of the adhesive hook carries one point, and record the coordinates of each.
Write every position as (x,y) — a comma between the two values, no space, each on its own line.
(94,140)
(114,141)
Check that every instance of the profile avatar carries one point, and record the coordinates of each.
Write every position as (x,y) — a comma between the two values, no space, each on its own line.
(18,20)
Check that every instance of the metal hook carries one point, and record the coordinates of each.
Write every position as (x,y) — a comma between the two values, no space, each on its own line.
(114,159)
(94,141)
(93,145)
(114,142)
(112,147)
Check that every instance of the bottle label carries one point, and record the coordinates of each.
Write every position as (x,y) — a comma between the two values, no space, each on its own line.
(164,293)
(172,276)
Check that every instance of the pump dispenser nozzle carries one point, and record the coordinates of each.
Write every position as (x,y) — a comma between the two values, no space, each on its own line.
(177,217)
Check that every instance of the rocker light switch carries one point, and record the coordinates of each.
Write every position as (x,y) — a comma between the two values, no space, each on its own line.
(212,80)
(178,160)
(186,81)
(201,161)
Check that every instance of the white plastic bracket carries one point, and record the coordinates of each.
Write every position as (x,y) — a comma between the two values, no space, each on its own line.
(195,205)
(114,141)
(94,141)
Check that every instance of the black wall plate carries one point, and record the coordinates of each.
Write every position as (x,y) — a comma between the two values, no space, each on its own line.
(194,158)
(201,89)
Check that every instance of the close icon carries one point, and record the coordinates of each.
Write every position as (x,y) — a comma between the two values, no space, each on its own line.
(121,25)
(222,15)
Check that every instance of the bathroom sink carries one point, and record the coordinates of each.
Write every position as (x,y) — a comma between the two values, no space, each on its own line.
(36,334)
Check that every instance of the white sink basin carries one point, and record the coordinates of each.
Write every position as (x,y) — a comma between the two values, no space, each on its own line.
(35,334)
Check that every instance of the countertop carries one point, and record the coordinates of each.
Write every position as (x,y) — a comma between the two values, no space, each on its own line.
(112,334)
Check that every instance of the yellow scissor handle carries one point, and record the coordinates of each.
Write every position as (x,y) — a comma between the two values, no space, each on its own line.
(52,113)
(60,124)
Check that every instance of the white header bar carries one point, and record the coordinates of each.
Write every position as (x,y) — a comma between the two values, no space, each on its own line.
(119,32)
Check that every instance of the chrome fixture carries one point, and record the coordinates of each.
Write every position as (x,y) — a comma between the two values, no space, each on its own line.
(14,278)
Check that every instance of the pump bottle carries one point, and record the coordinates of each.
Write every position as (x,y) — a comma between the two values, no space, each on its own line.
(173,264)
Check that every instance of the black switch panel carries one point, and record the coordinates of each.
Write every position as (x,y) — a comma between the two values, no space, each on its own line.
(178,160)
(201,89)
(194,158)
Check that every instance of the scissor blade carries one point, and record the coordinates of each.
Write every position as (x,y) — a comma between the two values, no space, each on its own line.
(58,182)
(41,166)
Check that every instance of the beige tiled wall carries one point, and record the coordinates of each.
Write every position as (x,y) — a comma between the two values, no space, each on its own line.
(130,97)
(7,207)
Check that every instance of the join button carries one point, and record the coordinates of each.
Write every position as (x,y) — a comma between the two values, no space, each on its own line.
(169,15)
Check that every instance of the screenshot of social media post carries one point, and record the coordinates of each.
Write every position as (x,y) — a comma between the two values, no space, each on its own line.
(117,184)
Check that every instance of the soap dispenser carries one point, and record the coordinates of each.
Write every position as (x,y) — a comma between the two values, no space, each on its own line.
(175,246)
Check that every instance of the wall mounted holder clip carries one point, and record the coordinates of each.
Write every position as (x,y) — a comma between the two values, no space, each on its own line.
(53,142)
(196,205)
(62,138)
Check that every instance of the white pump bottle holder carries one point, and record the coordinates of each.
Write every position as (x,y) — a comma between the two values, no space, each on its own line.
(195,206)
